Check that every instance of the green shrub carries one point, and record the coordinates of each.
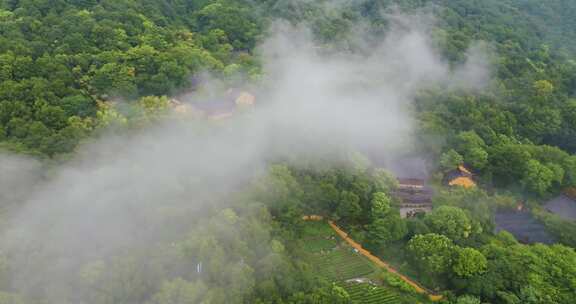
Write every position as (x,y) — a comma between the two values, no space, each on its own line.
(393,280)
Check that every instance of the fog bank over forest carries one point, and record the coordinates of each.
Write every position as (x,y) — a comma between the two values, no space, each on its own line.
(133,192)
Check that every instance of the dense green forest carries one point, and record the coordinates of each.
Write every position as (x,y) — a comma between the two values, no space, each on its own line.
(59,58)
(74,73)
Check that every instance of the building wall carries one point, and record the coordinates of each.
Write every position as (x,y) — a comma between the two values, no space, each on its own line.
(407,211)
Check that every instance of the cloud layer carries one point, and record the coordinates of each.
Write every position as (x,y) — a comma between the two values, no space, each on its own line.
(121,191)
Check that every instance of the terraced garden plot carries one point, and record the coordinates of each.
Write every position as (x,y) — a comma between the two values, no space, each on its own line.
(332,257)
(317,229)
(336,260)
(320,245)
(364,293)
(342,264)
(319,237)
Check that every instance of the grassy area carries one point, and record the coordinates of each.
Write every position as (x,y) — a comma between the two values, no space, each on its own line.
(320,245)
(369,294)
(342,264)
(319,237)
(315,230)
(331,256)
(335,260)
(395,255)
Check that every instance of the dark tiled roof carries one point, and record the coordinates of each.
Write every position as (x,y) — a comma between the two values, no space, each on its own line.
(563,206)
(523,226)
(411,182)
(216,106)
(454,174)
(460,176)
(415,196)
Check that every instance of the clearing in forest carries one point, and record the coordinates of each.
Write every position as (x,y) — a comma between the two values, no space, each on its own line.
(338,262)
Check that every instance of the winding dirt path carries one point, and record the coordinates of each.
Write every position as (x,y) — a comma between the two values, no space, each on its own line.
(373,258)
(379,262)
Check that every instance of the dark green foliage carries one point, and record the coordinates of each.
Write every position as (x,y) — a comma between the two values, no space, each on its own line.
(349,206)
(563,230)
(469,262)
(386,226)
(450,160)
(450,221)
(386,230)
(516,271)
(432,253)
(59,58)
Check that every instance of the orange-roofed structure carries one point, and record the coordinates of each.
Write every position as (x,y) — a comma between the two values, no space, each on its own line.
(461,177)
(245,99)
(462,181)
(464,170)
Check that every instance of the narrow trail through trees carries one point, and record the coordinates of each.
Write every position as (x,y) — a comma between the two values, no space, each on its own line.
(379,262)
(373,258)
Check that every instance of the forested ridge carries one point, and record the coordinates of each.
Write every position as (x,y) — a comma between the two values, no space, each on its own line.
(77,75)
(60,57)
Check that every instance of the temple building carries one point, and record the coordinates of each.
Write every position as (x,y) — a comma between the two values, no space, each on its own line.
(461,177)
(414,195)
(214,108)
(563,205)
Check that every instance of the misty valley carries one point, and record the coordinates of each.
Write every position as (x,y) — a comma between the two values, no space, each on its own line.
(287,152)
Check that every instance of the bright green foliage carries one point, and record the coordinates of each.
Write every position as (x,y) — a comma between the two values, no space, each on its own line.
(468,300)
(476,157)
(380,205)
(384,180)
(570,170)
(431,252)
(109,117)
(369,294)
(543,87)
(339,295)
(59,60)
(395,280)
(520,273)
(449,221)
(153,108)
(469,262)
(537,177)
(232,19)
(473,149)
(342,264)
(451,160)
(386,225)
(327,295)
